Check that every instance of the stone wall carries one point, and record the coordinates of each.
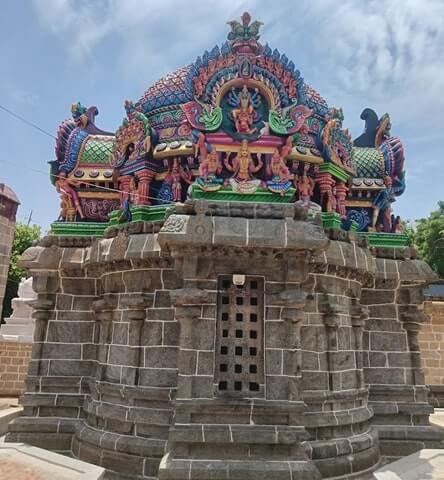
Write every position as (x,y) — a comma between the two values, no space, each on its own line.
(8,210)
(14,362)
(397,389)
(139,364)
(431,341)
(6,239)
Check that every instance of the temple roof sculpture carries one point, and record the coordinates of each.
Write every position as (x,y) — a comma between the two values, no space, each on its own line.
(240,122)
(9,202)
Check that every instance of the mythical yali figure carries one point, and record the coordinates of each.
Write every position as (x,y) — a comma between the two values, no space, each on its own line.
(243,168)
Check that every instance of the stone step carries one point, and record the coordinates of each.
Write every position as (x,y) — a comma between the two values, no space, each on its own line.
(7,414)
(425,464)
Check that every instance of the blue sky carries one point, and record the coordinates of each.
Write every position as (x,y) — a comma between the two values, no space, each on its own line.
(385,54)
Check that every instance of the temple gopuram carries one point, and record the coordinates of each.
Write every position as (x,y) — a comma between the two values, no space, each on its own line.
(226,293)
(238,124)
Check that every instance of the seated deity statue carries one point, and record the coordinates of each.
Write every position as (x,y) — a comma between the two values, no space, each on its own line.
(277,169)
(243,167)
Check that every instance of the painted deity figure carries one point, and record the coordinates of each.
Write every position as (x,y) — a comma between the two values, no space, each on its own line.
(305,186)
(174,179)
(278,171)
(397,226)
(69,199)
(244,114)
(210,167)
(382,202)
(129,198)
(243,167)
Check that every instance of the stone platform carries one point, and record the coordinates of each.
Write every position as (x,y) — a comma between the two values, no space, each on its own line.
(19,461)
(426,464)
(9,409)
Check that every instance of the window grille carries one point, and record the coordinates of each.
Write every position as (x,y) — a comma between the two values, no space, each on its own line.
(239,354)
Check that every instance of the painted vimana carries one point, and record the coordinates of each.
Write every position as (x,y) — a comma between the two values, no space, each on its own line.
(227,293)
(240,123)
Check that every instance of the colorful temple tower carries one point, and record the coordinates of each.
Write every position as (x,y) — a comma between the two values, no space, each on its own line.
(208,305)
(239,123)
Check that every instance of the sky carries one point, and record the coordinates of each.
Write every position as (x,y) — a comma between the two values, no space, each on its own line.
(384,54)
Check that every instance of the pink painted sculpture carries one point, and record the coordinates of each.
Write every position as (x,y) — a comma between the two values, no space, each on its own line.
(243,167)
(70,203)
(174,179)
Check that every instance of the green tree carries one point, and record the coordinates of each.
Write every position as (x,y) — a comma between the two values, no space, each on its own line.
(429,239)
(24,237)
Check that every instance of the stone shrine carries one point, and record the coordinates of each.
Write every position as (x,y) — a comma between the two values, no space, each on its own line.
(226,293)
(19,327)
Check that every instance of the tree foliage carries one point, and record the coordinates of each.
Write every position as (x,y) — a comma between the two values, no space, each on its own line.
(24,237)
(429,239)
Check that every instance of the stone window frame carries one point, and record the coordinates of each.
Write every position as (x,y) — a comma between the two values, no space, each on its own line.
(234,372)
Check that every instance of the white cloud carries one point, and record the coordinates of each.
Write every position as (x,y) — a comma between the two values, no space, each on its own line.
(385,53)
(147,33)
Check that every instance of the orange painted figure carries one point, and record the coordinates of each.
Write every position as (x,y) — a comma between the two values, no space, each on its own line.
(278,171)
(68,196)
(210,167)
(244,115)
(305,186)
(243,168)
(175,177)
(209,163)
(243,165)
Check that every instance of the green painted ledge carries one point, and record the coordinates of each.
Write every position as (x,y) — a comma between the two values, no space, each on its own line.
(225,194)
(331,220)
(335,171)
(76,229)
(144,213)
(96,229)
(379,239)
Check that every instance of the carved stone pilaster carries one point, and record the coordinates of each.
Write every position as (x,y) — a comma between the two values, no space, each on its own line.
(359,314)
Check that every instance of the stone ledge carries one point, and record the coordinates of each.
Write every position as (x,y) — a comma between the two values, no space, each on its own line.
(18,458)
(7,415)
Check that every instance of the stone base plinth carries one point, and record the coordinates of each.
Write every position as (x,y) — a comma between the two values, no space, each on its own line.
(174,469)
(20,461)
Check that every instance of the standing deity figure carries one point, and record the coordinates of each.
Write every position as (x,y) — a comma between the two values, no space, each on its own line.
(210,166)
(397,226)
(129,197)
(305,187)
(243,168)
(244,115)
(382,202)
(174,179)
(70,203)
(278,171)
